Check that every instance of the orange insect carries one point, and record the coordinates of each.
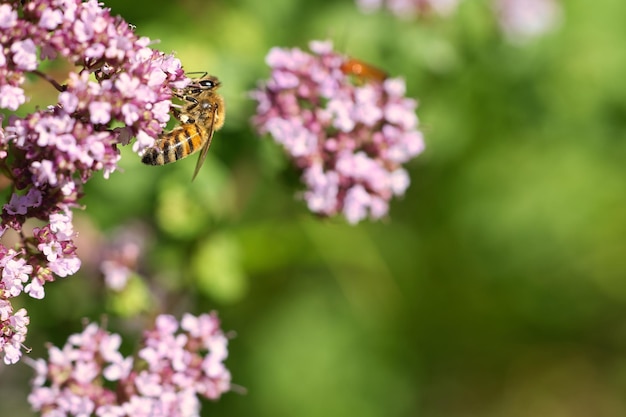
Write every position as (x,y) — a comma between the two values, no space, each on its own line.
(363,71)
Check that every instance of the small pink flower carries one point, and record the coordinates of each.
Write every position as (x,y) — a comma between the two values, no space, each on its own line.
(6,309)
(148,384)
(127,85)
(8,16)
(100,112)
(85,372)
(64,267)
(522,20)
(119,369)
(14,327)
(115,275)
(410,8)
(143,141)
(61,225)
(25,55)
(50,19)
(19,204)
(35,289)
(14,274)
(356,203)
(11,97)
(16,205)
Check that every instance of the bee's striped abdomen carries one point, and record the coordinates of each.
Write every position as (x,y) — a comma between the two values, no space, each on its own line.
(172,146)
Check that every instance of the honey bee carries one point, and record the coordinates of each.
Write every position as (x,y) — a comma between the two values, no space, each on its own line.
(363,71)
(199,118)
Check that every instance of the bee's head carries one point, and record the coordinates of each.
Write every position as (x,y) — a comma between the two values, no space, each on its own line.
(209,83)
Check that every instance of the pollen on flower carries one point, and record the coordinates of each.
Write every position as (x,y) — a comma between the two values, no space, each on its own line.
(349,139)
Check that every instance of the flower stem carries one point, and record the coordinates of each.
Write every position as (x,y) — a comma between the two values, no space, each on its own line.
(51,80)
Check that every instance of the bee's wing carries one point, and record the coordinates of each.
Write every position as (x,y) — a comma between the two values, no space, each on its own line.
(207,145)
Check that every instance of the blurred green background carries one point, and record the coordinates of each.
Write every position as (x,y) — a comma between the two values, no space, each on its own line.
(497,287)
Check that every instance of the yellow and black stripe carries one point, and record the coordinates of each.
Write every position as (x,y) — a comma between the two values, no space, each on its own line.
(175,145)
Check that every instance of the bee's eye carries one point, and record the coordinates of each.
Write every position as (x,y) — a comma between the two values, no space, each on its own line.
(207,83)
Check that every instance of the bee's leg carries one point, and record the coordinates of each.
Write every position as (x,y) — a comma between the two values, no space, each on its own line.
(190,98)
(181,117)
(193,102)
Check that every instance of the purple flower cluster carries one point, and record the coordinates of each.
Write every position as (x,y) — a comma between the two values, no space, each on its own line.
(522,20)
(178,363)
(49,154)
(410,8)
(349,136)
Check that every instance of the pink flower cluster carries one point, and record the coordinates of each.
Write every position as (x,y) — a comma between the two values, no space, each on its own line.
(519,20)
(348,137)
(410,8)
(178,363)
(49,154)
(522,20)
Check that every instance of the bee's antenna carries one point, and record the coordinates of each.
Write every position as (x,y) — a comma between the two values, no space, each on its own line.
(204,73)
